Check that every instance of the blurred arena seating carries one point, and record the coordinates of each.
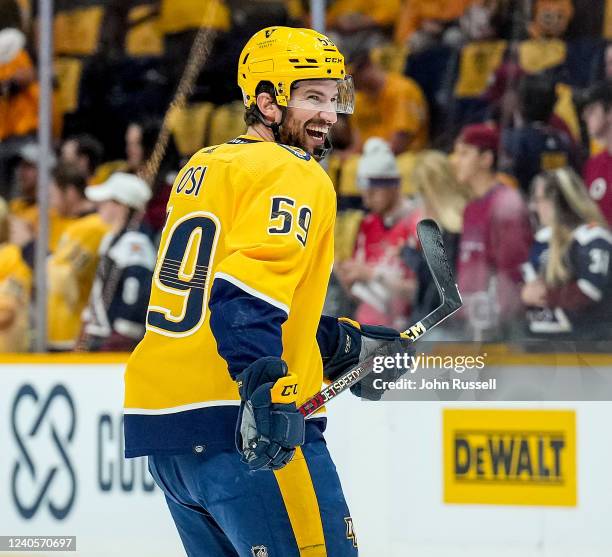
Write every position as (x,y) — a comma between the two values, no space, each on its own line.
(117,63)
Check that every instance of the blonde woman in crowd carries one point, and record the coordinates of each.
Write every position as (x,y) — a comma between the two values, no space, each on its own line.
(15,289)
(568,286)
(442,197)
(443,200)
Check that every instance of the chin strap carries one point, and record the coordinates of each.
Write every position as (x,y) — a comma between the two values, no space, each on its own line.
(275,127)
(321,152)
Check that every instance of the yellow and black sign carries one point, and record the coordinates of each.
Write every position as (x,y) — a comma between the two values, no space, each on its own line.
(510,457)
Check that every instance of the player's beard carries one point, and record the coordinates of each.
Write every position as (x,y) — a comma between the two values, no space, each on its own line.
(293,132)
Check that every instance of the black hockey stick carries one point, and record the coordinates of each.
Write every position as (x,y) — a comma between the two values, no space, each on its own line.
(430,237)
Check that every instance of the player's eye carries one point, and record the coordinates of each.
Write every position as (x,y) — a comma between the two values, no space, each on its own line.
(314,98)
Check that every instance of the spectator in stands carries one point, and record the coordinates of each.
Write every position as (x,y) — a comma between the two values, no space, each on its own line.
(534,145)
(388,105)
(425,23)
(444,200)
(375,275)
(495,239)
(356,23)
(608,62)
(568,289)
(15,289)
(85,151)
(597,114)
(23,204)
(11,14)
(550,18)
(140,140)
(179,23)
(115,316)
(72,265)
(24,209)
(67,193)
(134,150)
(18,101)
(351,16)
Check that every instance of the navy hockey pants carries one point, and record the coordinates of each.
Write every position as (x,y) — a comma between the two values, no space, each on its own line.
(221,509)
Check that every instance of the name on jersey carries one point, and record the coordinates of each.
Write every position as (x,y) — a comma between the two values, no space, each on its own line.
(191,181)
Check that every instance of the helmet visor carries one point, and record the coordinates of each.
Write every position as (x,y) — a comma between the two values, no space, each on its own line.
(324,95)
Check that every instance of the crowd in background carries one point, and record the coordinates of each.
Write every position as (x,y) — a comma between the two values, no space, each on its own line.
(493,117)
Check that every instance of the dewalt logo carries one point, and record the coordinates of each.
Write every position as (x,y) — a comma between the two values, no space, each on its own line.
(510,457)
(507,456)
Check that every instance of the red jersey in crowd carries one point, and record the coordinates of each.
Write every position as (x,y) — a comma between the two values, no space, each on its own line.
(375,238)
(494,243)
(378,243)
(598,180)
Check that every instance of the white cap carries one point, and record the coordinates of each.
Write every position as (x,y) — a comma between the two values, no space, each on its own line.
(30,153)
(377,165)
(123,188)
(11,42)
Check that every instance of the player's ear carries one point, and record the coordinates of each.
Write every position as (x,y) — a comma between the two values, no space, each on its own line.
(268,107)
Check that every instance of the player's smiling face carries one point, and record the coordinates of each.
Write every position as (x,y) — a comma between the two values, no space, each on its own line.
(311,114)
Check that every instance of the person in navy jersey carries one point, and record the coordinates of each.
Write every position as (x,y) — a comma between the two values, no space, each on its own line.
(534,145)
(114,319)
(597,114)
(568,284)
(495,238)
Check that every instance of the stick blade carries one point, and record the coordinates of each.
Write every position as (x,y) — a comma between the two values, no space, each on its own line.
(432,243)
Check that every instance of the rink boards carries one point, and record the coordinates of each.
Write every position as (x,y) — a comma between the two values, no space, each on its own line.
(422,478)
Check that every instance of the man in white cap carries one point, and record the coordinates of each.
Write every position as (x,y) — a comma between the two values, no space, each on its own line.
(375,275)
(115,314)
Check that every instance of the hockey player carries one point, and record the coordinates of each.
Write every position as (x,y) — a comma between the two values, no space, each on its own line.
(568,281)
(235,340)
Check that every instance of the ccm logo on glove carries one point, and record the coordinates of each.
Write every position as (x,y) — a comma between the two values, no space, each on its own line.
(285,390)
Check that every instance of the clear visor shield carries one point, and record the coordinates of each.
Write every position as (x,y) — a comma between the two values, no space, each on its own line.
(324,95)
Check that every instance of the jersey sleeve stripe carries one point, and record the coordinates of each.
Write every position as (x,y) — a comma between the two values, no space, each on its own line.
(249,290)
(588,289)
(196,406)
(182,408)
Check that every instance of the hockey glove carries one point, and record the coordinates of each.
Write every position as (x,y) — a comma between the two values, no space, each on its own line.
(269,425)
(356,343)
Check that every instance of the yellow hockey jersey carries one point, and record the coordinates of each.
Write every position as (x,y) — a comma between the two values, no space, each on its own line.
(71,270)
(15,289)
(28,212)
(242,270)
